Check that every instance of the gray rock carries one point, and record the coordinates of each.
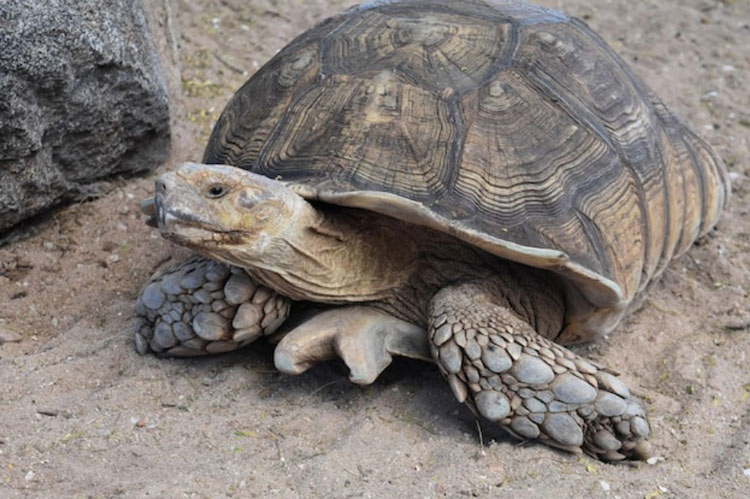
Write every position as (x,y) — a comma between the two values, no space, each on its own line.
(492,405)
(573,390)
(83,100)
(532,370)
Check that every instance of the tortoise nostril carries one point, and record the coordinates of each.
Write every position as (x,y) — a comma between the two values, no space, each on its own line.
(160,187)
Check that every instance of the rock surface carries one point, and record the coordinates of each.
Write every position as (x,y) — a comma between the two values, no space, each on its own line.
(83,100)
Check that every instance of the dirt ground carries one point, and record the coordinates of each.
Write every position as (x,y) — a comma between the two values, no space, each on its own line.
(82,415)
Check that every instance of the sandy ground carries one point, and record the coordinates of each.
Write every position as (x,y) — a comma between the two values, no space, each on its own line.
(82,415)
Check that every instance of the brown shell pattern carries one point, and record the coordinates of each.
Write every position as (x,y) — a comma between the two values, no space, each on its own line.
(507,125)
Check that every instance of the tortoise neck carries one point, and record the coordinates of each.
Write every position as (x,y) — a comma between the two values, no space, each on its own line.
(340,256)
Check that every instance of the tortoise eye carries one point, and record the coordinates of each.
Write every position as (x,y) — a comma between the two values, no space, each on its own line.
(216,191)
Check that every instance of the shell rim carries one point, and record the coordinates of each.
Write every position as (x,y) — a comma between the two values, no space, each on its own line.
(599,290)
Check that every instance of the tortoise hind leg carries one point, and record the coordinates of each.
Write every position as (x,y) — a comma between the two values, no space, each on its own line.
(506,372)
(200,306)
(365,338)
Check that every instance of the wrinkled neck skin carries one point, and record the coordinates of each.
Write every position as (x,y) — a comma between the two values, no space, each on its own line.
(339,257)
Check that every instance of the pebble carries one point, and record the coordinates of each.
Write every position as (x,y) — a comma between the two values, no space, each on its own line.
(532,370)
(210,326)
(238,289)
(495,359)
(492,405)
(573,390)
(746,472)
(604,485)
(152,297)
(562,428)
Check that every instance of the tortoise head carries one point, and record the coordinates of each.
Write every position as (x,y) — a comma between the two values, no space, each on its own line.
(228,213)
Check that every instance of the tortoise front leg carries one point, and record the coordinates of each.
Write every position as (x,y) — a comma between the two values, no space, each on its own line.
(200,306)
(508,373)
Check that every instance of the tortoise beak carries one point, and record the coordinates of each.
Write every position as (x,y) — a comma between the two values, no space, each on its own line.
(148,208)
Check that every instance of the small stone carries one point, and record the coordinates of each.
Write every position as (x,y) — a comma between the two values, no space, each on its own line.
(572,390)
(639,427)
(247,315)
(609,405)
(562,428)
(238,289)
(210,326)
(495,359)
(613,384)
(152,297)
(182,331)
(492,405)
(442,334)
(193,279)
(605,440)
(524,427)
(532,370)
(450,357)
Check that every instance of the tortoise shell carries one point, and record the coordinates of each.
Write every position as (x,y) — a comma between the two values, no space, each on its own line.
(507,125)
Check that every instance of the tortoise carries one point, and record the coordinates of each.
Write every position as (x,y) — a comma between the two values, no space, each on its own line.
(474,183)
